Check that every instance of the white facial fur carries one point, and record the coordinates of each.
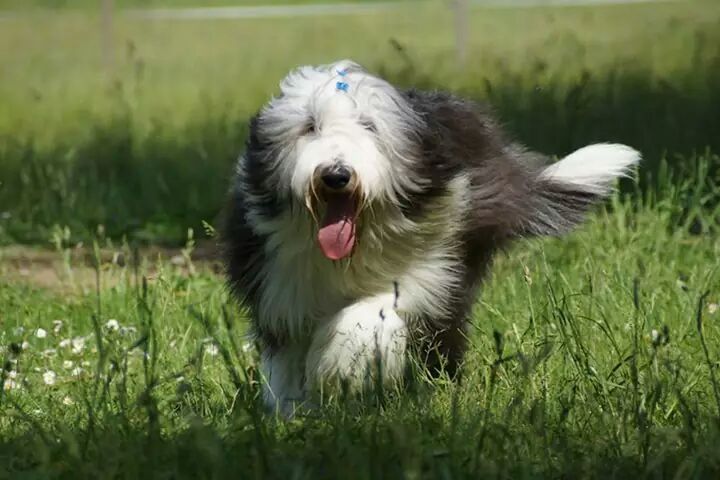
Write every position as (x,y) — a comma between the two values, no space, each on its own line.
(366,127)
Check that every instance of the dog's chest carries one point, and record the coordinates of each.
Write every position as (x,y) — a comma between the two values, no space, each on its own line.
(301,288)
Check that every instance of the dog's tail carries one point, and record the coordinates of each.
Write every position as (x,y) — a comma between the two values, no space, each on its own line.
(562,193)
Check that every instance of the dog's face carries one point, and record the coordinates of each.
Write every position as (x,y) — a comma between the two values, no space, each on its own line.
(337,141)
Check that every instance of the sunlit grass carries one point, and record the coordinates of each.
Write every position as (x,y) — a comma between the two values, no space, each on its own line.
(586,360)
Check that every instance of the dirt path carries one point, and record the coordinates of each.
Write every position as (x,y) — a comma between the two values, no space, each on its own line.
(336,9)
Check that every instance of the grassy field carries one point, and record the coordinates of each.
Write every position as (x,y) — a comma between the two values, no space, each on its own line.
(146,148)
(592,356)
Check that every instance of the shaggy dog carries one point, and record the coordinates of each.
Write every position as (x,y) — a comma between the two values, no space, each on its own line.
(363,219)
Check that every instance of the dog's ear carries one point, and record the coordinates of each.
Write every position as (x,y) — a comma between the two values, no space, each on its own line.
(560,195)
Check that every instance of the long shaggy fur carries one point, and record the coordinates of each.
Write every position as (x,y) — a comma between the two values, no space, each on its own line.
(440,189)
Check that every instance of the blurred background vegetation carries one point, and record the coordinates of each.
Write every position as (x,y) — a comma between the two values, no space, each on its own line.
(135,124)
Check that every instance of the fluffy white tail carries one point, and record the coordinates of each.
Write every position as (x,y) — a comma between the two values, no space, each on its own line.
(563,192)
(594,168)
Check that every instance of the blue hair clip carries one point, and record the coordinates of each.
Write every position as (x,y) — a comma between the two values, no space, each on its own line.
(342,86)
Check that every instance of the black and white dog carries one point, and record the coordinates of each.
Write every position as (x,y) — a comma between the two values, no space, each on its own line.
(363,218)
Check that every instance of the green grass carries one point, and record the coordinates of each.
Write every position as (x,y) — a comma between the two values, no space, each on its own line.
(592,356)
(587,360)
(146,148)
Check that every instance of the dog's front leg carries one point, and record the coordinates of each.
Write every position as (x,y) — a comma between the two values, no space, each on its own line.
(283,382)
(363,339)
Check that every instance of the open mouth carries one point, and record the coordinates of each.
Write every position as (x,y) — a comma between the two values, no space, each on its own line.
(337,233)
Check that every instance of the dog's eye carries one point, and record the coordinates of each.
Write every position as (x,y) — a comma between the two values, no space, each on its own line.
(368,125)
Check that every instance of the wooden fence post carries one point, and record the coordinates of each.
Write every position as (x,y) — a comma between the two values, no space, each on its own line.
(461,10)
(107,34)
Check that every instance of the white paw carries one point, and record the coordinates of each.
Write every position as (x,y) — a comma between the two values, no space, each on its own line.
(362,340)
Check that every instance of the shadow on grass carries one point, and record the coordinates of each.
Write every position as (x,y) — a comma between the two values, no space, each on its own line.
(415,444)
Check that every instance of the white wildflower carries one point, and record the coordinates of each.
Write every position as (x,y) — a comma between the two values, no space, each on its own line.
(25,345)
(68,401)
(712,308)
(57,325)
(212,349)
(41,333)
(64,343)
(49,377)
(86,363)
(654,336)
(68,364)
(77,371)
(50,352)
(247,346)
(78,345)
(127,330)
(112,325)
(10,384)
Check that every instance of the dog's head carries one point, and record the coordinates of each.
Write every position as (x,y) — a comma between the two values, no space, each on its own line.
(337,140)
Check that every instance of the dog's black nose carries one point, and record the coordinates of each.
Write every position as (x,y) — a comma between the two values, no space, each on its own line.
(336,177)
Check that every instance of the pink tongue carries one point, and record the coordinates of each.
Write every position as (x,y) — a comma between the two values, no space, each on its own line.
(337,231)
